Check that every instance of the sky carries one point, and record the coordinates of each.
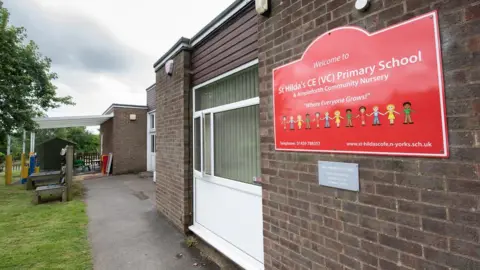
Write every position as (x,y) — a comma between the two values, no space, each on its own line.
(103,50)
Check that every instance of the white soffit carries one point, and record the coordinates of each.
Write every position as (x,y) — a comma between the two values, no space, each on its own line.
(71,121)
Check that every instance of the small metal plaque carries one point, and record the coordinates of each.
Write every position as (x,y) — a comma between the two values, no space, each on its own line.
(338,175)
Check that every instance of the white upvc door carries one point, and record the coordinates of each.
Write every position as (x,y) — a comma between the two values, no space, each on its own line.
(227,204)
(151,142)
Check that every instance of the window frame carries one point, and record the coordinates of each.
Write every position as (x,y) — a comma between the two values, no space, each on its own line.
(247,187)
(151,124)
(153,143)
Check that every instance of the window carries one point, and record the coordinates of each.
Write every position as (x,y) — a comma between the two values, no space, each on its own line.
(152,143)
(226,127)
(237,152)
(207,159)
(152,121)
(197,140)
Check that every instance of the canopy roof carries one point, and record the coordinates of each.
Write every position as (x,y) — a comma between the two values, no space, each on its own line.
(71,121)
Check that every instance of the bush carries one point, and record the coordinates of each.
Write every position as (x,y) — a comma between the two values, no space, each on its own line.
(2,158)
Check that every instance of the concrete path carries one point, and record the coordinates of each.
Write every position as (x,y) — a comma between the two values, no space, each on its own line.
(126,232)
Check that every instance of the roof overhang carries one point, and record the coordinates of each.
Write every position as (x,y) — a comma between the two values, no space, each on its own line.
(71,121)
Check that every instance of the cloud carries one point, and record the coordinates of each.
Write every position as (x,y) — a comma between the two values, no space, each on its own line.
(72,40)
(94,66)
(103,50)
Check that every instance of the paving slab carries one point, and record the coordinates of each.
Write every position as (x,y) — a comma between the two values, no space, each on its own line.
(126,231)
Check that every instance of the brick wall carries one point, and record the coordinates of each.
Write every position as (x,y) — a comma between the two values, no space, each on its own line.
(130,141)
(410,213)
(173,157)
(107,130)
(151,98)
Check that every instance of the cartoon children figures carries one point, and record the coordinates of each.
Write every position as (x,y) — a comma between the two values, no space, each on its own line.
(284,122)
(317,119)
(375,113)
(337,117)
(349,118)
(391,113)
(299,121)
(361,111)
(327,120)
(407,109)
(307,121)
(292,123)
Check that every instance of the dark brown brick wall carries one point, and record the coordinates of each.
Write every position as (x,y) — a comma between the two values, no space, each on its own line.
(411,213)
(151,98)
(173,158)
(231,45)
(107,130)
(130,141)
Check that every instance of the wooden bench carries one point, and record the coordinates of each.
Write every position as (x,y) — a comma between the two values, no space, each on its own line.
(43,179)
(51,191)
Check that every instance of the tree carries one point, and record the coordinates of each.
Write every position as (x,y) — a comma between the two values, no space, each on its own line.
(26,88)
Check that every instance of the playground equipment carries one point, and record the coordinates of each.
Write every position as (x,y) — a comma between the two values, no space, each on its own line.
(63,186)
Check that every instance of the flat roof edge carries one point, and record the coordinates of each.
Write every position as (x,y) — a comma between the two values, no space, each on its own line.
(128,106)
(213,25)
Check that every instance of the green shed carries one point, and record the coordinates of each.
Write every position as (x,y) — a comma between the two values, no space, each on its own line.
(48,153)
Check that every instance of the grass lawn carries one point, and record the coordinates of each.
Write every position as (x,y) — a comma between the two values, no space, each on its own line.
(47,236)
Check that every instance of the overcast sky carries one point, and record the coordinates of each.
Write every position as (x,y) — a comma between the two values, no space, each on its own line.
(104,50)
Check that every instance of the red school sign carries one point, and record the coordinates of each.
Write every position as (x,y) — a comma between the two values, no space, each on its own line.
(361,93)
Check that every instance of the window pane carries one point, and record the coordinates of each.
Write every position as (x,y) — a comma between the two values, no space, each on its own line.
(196,143)
(237,144)
(152,121)
(207,168)
(152,143)
(239,86)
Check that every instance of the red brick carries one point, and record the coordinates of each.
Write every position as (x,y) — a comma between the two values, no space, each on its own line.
(332,244)
(465,217)
(333,223)
(415,4)
(448,259)
(470,187)
(386,265)
(418,263)
(335,4)
(361,232)
(397,192)
(465,248)
(422,209)
(347,217)
(378,201)
(337,22)
(378,225)
(472,13)
(417,181)
(361,255)
(332,202)
(428,239)
(449,229)
(332,265)
(308,178)
(348,240)
(379,250)
(402,245)
(376,176)
(349,262)
(449,199)
(321,210)
(359,209)
(313,256)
